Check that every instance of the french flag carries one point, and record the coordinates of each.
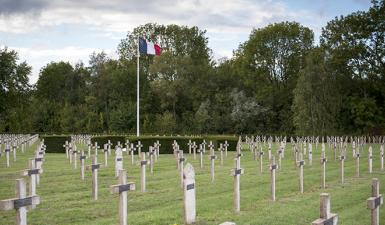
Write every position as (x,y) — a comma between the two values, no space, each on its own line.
(148,48)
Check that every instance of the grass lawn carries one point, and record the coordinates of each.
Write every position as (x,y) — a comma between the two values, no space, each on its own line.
(65,199)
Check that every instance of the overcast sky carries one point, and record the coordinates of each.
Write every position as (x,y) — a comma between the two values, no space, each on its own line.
(70,30)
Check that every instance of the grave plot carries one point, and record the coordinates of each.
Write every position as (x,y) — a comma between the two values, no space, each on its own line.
(67,199)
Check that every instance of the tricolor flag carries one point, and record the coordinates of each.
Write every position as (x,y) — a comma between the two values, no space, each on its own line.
(148,48)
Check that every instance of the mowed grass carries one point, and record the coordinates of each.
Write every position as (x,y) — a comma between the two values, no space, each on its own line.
(65,199)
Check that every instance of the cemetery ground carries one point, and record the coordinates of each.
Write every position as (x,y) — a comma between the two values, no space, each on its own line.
(66,199)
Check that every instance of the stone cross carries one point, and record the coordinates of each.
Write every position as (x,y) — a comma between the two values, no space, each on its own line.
(70,152)
(212,158)
(66,148)
(75,152)
(342,160)
(89,148)
(38,164)
(261,160)
(326,217)
(226,145)
(96,148)
(323,166)
(221,150)
(273,167)
(31,172)
(280,158)
(189,201)
(94,167)
(176,155)
(382,157)
(194,147)
(370,159)
(122,189)
(20,203)
(354,148)
(200,151)
(181,163)
(211,145)
(109,144)
(310,156)
(269,150)
(189,146)
(300,164)
(139,147)
(158,144)
(236,173)
(82,157)
(375,201)
(143,163)
(127,144)
(132,151)
(118,161)
(358,163)
(14,147)
(7,150)
(151,154)
(204,145)
(105,149)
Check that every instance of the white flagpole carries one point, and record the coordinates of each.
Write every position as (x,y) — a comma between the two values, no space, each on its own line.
(137,91)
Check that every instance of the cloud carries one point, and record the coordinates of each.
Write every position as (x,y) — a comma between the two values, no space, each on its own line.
(39,57)
(21,6)
(122,15)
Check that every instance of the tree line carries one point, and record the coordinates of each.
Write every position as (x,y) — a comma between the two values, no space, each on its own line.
(279,82)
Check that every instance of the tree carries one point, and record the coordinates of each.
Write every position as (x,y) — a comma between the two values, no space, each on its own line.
(268,64)
(14,92)
(317,101)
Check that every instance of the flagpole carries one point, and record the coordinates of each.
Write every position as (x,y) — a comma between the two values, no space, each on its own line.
(137,91)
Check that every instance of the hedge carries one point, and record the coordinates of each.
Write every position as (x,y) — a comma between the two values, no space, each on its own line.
(167,141)
(55,143)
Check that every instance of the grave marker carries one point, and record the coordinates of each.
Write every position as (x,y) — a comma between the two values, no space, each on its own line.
(139,147)
(326,217)
(181,162)
(118,161)
(212,158)
(82,157)
(122,189)
(236,173)
(342,160)
(189,201)
(7,150)
(323,167)
(301,163)
(375,202)
(370,159)
(226,145)
(20,203)
(94,167)
(273,167)
(143,163)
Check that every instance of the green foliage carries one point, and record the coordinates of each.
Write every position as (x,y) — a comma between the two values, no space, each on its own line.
(317,100)
(277,82)
(14,92)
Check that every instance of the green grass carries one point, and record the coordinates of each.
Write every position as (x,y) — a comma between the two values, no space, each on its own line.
(65,199)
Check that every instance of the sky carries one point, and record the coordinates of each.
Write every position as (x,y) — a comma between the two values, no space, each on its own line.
(42,31)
